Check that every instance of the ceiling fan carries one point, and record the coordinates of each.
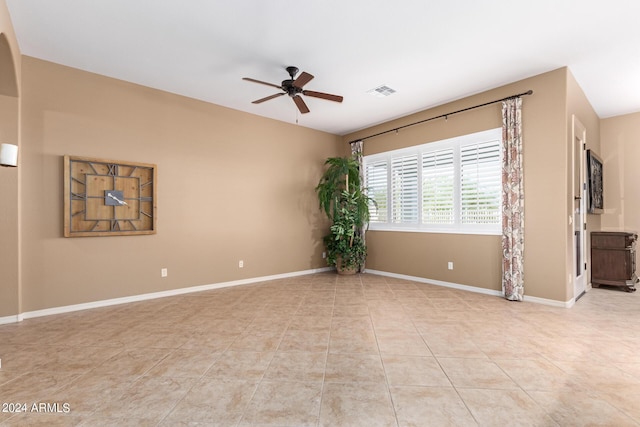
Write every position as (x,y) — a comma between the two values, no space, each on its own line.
(293,87)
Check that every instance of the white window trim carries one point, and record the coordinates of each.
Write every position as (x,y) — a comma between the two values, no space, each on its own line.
(455,143)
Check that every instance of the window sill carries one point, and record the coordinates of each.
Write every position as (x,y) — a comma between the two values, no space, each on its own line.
(373,227)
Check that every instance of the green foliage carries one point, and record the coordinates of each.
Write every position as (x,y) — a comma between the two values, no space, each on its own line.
(341,197)
(350,256)
(342,174)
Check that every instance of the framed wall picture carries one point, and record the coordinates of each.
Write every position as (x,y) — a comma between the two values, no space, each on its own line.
(595,200)
(108,198)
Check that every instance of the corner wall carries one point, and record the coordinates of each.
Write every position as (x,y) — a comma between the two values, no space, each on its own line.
(477,259)
(578,105)
(620,154)
(231,186)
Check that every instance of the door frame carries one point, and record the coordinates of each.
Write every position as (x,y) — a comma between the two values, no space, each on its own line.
(578,217)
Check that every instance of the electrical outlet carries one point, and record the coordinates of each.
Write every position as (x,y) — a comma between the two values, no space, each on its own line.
(324,255)
(240,264)
(450,265)
(163,272)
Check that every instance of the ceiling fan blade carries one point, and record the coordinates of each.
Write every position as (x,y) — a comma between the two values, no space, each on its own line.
(301,105)
(261,82)
(302,79)
(258,101)
(327,96)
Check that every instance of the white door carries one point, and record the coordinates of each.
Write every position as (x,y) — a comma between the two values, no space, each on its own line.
(579,218)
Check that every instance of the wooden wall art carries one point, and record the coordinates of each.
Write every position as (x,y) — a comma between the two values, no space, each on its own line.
(108,198)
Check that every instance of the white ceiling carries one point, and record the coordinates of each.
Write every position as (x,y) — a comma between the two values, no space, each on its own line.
(430,52)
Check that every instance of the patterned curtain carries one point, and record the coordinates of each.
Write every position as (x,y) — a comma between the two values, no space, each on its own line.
(356,152)
(512,201)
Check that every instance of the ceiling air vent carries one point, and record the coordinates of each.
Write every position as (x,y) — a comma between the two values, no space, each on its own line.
(381,91)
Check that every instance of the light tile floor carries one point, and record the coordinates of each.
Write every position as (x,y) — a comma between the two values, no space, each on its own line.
(325,350)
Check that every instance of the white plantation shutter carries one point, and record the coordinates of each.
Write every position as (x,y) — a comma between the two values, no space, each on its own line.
(376,183)
(404,189)
(438,187)
(480,183)
(448,186)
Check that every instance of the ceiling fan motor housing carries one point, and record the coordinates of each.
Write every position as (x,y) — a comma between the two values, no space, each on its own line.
(288,86)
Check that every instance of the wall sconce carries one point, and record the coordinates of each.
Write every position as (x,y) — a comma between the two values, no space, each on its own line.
(8,155)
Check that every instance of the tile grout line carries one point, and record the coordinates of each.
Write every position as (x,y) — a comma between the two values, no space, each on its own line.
(326,358)
(384,371)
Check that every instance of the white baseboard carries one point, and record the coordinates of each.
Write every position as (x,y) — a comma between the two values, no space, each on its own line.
(437,282)
(554,303)
(551,302)
(571,302)
(9,319)
(153,295)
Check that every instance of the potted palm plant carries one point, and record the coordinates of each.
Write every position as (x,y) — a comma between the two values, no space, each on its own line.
(342,198)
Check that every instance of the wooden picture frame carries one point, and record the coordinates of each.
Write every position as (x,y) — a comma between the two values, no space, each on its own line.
(595,199)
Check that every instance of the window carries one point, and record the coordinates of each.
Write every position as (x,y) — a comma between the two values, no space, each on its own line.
(376,173)
(481,180)
(437,187)
(446,186)
(404,190)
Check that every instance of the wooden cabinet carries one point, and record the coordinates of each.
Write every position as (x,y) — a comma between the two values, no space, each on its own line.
(613,259)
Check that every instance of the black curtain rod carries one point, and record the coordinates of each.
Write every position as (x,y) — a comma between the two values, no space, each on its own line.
(529,92)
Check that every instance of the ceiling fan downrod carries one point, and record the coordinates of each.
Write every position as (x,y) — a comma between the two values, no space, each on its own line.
(288,86)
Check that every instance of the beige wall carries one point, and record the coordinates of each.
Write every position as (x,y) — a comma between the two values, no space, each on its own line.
(620,138)
(477,258)
(231,186)
(9,260)
(9,177)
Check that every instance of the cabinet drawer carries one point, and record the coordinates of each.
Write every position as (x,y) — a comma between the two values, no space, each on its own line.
(611,264)
(613,240)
